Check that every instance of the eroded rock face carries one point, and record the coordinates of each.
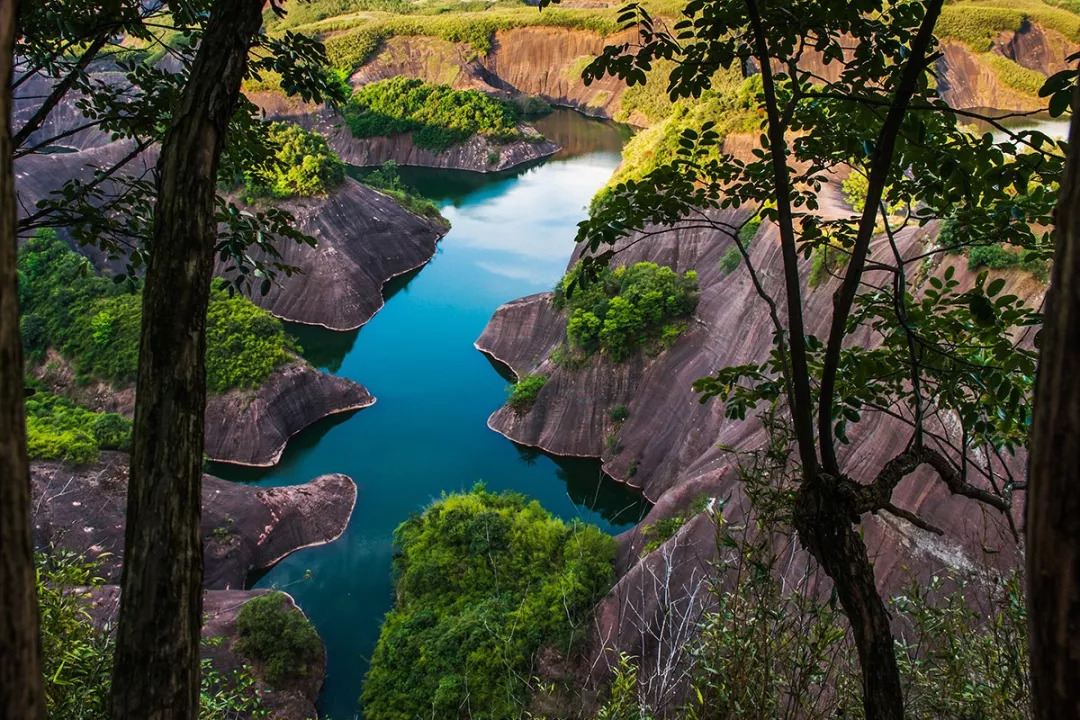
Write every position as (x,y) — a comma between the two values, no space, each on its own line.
(363,239)
(670,444)
(294,700)
(539,61)
(243,427)
(244,527)
(477,154)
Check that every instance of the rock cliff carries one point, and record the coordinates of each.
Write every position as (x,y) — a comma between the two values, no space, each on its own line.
(244,527)
(669,445)
(243,427)
(477,154)
(363,239)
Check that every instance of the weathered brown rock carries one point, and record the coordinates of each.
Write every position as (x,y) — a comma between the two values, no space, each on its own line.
(477,154)
(252,427)
(244,527)
(539,61)
(243,427)
(293,700)
(363,239)
(1036,47)
(670,443)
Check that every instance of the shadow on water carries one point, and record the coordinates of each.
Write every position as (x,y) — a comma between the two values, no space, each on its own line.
(589,486)
(325,349)
(299,445)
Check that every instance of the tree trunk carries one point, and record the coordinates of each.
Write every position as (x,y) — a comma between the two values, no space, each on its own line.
(21,691)
(156,675)
(822,516)
(1053,501)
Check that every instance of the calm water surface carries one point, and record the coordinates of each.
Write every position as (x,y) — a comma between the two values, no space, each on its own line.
(427,433)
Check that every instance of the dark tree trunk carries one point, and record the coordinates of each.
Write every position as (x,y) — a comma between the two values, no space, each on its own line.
(21,691)
(822,517)
(156,674)
(1053,502)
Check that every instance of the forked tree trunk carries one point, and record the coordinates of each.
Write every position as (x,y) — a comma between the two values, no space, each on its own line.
(1053,503)
(822,518)
(21,691)
(156,674)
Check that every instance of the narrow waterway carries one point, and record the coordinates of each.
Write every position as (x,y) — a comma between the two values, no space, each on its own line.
(427,434)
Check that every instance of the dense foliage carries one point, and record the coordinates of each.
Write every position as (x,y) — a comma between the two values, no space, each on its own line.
(437,115)
(303,166)
(485,581)
(626,307)
(386,179)
(77,655)
(58,429)
(95,323)
(279,638)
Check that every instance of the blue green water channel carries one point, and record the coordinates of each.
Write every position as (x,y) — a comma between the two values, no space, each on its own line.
(511,236)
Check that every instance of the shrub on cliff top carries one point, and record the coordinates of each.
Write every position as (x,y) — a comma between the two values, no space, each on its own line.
(436,115)
(278,637)
(626,307)
(93,322)
(58,429)
(304,166)
(485,581)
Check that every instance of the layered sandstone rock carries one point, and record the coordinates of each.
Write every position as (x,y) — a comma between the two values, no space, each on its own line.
(244,527)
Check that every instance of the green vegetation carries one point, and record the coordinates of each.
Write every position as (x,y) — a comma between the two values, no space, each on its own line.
(386,179)
(1016,75)
(664,529)
(999,257)
(436,115)
(626,307)
(58,429)
(95,323)
(485,581)
(732,257)
(727,103)
(523,393)
(978,23)
(304,166)
(277,637)
(77,656)
(357,38)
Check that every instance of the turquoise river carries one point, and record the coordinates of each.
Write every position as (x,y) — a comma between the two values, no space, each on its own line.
(511,235)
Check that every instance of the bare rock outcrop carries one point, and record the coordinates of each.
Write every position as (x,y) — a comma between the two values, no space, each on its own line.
(477,154)
(363,239)
(670,445)
(244,527)
(252,427)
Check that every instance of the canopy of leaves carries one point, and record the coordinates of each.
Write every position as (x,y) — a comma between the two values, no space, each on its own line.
(524,392)
(304,166)
(95,323)
(278,637)
(485,581)
(436,115)
(626,307)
